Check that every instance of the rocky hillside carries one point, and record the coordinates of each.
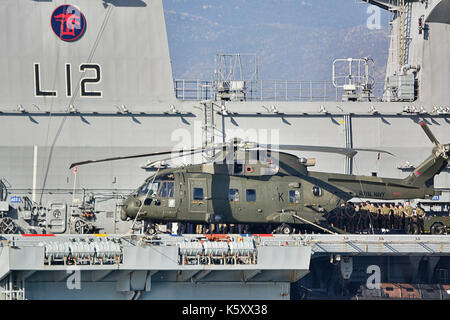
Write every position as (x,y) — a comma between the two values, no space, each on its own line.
(294,39)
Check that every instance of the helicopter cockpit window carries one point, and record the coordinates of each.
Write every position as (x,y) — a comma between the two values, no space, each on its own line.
(170,189)
(157,187)
(197,194)
(250,195)
(154,188)
(294,196)
(166,189)
(144,189)
(163,190)
(317,191)
(233,195)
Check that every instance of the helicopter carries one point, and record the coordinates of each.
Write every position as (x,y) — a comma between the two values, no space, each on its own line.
(250,183)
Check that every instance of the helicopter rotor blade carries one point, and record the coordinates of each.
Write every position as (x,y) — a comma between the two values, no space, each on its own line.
(374,150)
(149,164)
(174,154)
(349,152)
(428,132)
(235,144)
(180,153)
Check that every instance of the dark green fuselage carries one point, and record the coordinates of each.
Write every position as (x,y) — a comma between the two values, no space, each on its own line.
(263,192)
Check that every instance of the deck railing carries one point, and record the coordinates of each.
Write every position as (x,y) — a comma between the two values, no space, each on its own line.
(269,90)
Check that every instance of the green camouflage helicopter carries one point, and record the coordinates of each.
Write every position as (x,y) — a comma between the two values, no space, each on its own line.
(250,183)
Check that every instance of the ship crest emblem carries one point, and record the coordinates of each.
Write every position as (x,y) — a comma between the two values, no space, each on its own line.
(68,22)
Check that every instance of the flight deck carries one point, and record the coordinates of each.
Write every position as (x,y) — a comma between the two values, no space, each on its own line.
(131,266)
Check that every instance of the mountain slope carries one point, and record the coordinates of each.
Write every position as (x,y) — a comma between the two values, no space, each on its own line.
(294,40)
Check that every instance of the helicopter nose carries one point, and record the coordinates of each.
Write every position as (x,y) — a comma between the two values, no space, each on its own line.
(130,208)
(124,210)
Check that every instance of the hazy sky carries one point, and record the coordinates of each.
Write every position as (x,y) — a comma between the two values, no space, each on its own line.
(315,13)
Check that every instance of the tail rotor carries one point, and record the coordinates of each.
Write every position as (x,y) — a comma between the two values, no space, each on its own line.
(443,150)
(428,132)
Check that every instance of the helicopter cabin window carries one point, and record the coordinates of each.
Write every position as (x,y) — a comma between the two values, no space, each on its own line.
(197,195)
(233,195)
(294,196)
(317,191)
(250,195)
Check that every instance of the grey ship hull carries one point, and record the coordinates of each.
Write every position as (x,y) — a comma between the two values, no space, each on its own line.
(42,136)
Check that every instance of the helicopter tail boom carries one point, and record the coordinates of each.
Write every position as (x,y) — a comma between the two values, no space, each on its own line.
(419,184)
(423,175)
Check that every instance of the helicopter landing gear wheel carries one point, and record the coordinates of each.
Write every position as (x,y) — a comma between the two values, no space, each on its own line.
(437,228)
(151,229)
(286,229)
(7,226)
